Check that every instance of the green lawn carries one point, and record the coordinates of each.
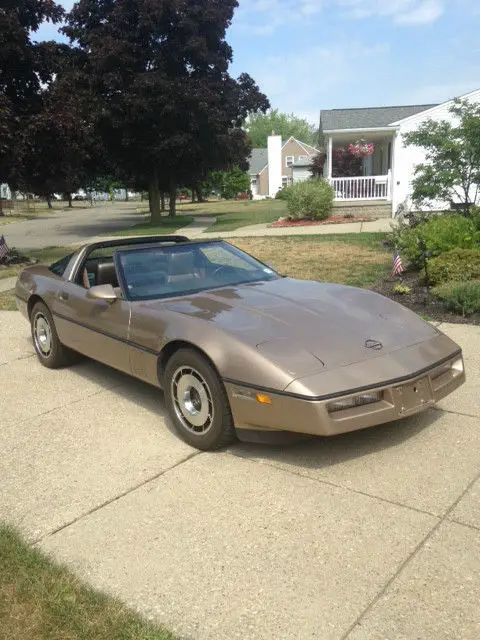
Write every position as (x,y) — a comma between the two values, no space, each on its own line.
(44,256)
(168,225)
(233,214)
(357,259)
(40,600)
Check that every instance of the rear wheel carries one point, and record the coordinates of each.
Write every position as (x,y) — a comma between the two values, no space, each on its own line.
(197,401)
(50,351)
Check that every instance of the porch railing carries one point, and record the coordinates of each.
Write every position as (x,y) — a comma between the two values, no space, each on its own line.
(362,188)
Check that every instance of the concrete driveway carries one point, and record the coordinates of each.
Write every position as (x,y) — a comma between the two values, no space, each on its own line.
(372,535)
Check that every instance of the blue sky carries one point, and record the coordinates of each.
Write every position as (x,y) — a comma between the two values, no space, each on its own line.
(309,55)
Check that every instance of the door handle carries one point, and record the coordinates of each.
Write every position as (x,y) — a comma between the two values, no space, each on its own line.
(64,296)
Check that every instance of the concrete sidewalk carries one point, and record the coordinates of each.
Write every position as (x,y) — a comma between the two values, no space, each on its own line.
(371,535)
(199,228)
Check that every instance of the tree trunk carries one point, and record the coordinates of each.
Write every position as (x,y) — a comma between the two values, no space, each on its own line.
(154,196)
(69,198)
(173,201)
(150,199)
(162,201)
(193,195)
(1,208)
(126,194)
(49,202)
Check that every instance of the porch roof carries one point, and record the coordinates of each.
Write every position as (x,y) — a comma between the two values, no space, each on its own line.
(367,118)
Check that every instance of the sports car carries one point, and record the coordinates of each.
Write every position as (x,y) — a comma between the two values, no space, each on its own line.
(236,347)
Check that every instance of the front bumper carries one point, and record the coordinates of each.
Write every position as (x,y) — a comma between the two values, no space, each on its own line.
(288,412)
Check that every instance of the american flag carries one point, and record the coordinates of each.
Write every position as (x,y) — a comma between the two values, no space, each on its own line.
(3,249)
(398,267)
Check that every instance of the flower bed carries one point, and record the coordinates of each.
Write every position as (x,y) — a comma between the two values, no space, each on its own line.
(286,222)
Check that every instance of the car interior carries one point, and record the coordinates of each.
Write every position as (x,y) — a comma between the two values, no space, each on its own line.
(162,273)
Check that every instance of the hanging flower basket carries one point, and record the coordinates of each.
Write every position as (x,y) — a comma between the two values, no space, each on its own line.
(362,149)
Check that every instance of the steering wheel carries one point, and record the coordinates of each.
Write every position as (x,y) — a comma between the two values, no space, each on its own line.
(223,268)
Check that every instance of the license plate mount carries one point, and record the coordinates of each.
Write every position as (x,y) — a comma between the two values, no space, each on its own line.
(414,395)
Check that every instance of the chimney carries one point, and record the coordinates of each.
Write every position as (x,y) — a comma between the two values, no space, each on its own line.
(275,169)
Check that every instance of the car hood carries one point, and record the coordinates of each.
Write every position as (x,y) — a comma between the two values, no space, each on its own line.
(285,318)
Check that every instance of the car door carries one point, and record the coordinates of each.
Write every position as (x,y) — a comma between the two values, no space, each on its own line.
(96,328)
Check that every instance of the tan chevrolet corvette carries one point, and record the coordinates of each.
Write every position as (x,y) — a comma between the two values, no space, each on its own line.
(234,345)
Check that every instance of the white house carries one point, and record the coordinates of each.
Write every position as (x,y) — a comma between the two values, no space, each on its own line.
(389,171)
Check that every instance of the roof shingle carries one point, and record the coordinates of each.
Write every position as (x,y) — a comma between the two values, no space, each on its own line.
(257,161)
(367,118)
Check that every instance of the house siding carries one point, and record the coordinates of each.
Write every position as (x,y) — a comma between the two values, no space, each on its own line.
(406,158)
(293,148)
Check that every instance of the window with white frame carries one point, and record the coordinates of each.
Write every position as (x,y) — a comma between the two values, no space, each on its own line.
(289,161)
(286,181)
(253,182)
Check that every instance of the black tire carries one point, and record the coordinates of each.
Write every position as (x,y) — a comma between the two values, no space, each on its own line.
(204,392)
(50,351)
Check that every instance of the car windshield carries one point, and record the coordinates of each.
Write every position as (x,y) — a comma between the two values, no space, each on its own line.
(168,271)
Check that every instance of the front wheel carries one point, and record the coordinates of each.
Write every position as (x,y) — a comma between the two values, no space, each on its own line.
(197,401)
(50,351)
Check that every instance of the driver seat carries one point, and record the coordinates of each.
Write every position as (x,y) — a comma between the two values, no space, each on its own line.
(181,267)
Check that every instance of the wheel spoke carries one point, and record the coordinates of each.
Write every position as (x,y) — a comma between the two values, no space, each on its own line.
(192,400)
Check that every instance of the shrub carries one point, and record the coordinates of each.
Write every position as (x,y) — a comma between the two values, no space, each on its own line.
(440,234)
(457,264)
(460,297)
(312,199)
(402,289)
(283,193)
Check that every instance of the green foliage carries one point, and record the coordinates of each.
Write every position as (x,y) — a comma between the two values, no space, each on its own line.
(402,289)
(457,264)
(228,184)
(283,193)
(260,126)
(312,199)
(460,297)
(452,168)
(439,233)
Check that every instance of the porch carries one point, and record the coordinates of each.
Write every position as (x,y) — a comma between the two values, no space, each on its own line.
(374,180)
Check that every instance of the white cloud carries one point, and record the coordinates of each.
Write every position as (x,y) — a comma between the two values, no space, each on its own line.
(439,93)
(309,80)
(402,12)
(264,17)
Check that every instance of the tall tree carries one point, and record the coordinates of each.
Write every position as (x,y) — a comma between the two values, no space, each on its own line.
(451,171)
(24,73)
(170,112)
(259,126)
(228,184)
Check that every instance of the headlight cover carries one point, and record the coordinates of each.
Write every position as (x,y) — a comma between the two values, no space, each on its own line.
(355,401)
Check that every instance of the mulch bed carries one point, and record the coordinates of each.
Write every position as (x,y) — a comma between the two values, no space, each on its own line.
(421,300)
(286,222)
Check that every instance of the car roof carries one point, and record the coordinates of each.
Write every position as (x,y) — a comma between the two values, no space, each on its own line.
(153,245)
(143,242)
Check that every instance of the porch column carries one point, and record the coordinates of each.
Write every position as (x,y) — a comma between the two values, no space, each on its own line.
(328,164)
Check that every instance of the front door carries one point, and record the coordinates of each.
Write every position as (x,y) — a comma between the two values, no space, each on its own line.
(96,328)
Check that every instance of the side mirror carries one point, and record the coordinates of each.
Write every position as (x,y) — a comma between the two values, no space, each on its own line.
(103,292)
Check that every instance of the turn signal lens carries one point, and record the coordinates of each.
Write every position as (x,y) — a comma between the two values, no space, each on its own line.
(263,399)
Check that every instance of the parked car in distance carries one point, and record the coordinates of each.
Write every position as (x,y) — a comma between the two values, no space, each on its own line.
(235,346)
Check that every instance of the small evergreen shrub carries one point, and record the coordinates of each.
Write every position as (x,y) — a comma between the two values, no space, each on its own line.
(460,297)
(457,264)
(311,200)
